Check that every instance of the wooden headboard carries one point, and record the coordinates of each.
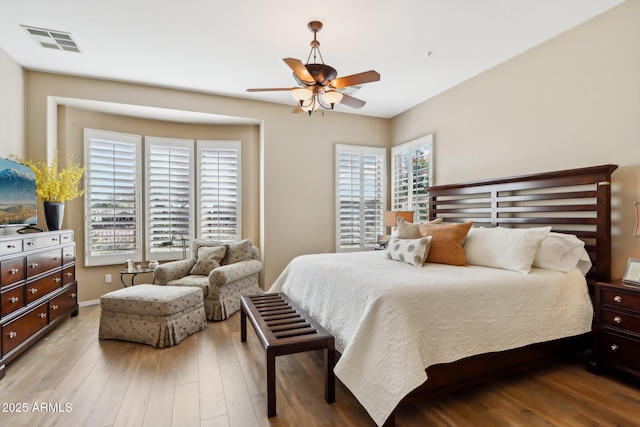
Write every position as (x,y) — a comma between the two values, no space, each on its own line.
(576,201)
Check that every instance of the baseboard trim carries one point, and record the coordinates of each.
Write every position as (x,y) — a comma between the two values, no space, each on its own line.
(86,303)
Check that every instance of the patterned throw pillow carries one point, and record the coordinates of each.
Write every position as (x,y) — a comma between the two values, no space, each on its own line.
(238,251)
(411,251)
(209,258)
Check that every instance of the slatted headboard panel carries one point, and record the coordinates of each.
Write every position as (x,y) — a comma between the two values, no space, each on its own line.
(576,201)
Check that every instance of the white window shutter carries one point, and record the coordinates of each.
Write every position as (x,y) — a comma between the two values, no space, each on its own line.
(169,197)
(112,198)
(219,190)
(360,196)
(411,175)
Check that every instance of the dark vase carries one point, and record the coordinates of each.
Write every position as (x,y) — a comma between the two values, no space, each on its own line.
(53,214)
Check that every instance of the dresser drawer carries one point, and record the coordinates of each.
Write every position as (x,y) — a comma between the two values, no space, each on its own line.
(63,302)
(620,299)
(43,261)
(10,247)
(68,275)
(41,242)
(620,320)
(66,238)
(16,332)
(12,271)
(618,350)
(11,300)
(39,288)
(68,254)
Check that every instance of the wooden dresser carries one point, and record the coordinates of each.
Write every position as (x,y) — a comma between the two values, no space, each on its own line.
(616,338)
(38,288)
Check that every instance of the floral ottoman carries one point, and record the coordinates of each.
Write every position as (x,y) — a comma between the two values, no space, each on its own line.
(160,316)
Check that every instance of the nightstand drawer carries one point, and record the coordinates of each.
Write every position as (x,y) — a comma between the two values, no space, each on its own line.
(621,299)
(621,320)
(618,350)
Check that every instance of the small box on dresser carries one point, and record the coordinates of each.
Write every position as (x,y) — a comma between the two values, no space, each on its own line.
(616,338)
(38,288)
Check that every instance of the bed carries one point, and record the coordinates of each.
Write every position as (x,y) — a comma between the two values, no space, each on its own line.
(405,331)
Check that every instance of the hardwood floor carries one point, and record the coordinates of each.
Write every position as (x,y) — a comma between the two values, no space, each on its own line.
(71,378)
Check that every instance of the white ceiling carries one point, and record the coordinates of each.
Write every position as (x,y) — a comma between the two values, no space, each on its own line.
(227,47)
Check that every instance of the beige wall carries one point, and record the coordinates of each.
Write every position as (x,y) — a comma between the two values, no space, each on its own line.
(296,194)
(571,102)
(11,107)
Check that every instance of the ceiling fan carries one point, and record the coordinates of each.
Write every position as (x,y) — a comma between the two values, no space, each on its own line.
(319,83)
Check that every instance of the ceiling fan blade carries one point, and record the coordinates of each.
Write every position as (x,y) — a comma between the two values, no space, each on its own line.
(271,89)
(355,79)
(352,102)
(300,70)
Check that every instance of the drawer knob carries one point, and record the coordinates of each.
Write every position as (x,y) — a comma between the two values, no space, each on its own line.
(614,347)
(33,290)
(54,307)
(617,298)
(73,295)
(617,319)
(14,271)
(42,315)
(14,299)
(11,246)
(57,280)
(13,334)
(31,243)
(69,274)
(34,265)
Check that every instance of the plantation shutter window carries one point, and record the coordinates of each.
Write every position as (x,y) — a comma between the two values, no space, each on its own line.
(219,190)
(169,197)
(360,196)
(112,197)
(411,176)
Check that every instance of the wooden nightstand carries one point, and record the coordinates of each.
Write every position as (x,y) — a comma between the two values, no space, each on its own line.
(616,331)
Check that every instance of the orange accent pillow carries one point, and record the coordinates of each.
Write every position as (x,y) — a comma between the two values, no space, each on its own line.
(446,242)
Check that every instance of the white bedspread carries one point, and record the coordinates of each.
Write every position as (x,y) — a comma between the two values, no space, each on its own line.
(392,320)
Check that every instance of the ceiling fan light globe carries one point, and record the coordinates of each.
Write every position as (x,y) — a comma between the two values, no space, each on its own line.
(301,94)
(332,97)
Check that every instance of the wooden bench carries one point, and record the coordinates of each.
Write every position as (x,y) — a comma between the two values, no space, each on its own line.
(284,328)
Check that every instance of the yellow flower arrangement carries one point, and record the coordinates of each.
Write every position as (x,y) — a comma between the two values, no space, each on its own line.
(53,185)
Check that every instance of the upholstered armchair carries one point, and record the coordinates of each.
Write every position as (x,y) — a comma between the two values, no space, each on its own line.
(224,272)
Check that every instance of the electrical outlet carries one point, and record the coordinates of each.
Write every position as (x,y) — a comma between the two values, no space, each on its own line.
(107,278)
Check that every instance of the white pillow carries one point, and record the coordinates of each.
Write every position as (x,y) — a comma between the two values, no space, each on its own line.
(562,252)
(411,251)
(584,262)
(506,248)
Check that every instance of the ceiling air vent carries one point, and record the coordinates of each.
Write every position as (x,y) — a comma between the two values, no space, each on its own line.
(51,39)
